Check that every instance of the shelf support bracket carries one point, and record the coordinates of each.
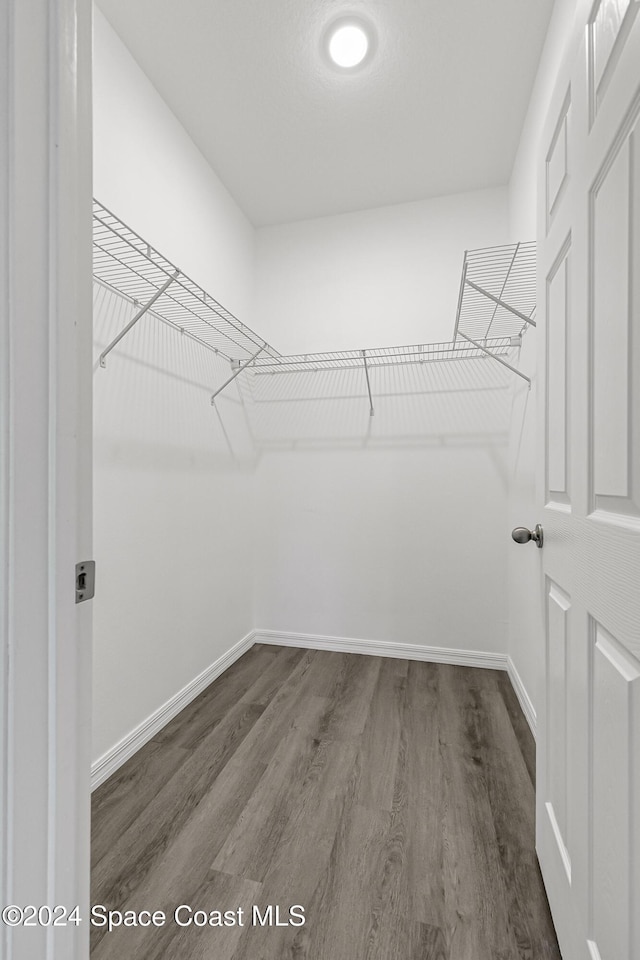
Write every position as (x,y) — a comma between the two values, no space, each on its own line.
(495,356)
(132,323)
(236,373)
(501,303)
(366,373)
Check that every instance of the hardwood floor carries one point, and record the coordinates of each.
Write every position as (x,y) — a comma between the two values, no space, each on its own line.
(392,799)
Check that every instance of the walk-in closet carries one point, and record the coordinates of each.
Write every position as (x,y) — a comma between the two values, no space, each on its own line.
(320,476)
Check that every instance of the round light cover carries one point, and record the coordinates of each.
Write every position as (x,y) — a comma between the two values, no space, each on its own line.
(348,41)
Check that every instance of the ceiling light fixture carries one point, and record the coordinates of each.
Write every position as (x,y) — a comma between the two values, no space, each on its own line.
(348,42)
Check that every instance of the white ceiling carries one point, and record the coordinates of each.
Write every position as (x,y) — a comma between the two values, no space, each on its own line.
(437,110)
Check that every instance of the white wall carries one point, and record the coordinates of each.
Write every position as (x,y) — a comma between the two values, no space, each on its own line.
(526,628)
(397,546)
(371,278)
(148,171)
(392,527)
(172,493)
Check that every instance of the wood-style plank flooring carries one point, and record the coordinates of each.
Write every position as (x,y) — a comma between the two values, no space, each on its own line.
(392,799)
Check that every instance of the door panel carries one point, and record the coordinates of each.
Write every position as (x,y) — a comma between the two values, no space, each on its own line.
(558,613)
(589,268)
(615,689)
(614,309)
(558,285)
(609,26)
(557,163)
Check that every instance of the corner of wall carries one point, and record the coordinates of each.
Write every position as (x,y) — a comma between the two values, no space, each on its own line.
(173,477)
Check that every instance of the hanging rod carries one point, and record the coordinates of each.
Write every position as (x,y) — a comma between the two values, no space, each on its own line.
(242,367)
(140,313)
(495,357)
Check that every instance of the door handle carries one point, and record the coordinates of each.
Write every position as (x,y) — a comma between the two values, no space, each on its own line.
(523,535)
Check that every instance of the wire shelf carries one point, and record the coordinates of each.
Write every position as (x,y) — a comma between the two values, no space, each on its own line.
(124,262)
(497,299)
(497,292)
(352,369)
(378,357)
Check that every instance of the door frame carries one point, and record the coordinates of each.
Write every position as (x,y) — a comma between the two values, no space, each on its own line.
(45,467)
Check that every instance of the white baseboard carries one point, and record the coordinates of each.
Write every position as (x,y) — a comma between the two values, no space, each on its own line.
(109,762)
(523,697)
(383,648)
(409,651)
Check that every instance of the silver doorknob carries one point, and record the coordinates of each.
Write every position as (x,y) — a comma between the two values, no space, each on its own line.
(523,535)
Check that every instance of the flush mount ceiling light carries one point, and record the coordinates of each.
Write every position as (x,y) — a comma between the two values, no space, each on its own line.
(348,42)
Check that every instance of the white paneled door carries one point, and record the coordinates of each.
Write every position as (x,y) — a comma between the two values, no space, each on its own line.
(588,800)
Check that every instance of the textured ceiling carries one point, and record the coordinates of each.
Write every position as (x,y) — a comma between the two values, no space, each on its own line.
(438,109)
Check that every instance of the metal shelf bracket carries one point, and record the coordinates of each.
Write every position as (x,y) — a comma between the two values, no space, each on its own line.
(236,373)
(501,303)
(366,373)
(496,357)
(132,323)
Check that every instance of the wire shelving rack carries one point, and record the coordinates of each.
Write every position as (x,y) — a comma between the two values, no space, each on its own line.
(496,302)
(497,292)
(368,361)
(127,264)
(377,357)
